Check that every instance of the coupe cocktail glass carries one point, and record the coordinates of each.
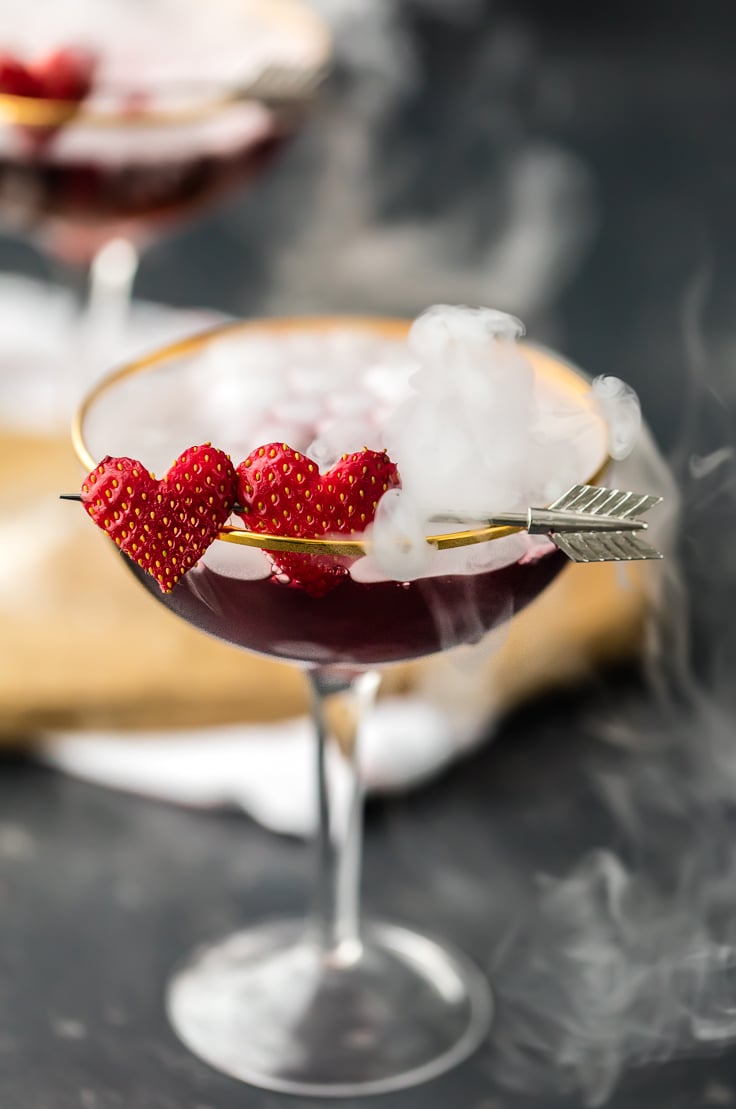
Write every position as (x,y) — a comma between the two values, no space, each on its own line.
(336,1006)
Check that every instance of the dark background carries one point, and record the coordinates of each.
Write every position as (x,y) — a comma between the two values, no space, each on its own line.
(609,131)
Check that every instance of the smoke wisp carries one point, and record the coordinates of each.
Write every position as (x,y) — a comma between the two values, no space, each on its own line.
(629,957)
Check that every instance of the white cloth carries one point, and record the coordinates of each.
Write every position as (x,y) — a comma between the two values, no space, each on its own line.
(42,359)
(266,770)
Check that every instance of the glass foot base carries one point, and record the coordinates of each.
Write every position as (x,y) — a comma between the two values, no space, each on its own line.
(271,1008)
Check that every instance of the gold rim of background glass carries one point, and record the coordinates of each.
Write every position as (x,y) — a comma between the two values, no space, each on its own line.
(28,111)
(387,328)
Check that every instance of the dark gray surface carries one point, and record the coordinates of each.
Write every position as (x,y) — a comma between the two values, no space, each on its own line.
(100,894)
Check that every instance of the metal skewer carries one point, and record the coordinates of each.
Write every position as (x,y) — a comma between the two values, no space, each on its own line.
(588,523)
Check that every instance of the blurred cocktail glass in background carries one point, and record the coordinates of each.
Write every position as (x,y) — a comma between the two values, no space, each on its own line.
(119,122)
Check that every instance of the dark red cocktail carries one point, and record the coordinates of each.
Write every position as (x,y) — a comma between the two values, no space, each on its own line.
(357,623)
(78,201)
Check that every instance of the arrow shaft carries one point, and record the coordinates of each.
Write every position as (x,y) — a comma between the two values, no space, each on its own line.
(543,520)
(540,521)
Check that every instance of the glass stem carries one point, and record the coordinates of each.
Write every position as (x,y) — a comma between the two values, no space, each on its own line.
(112,274)
(340,701)
(102,292)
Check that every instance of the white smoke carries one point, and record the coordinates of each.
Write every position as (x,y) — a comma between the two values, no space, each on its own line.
(620,407)
(222,43)
(516,241)
(461,440)
(628,956)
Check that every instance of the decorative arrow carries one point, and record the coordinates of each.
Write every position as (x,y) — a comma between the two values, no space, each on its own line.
(589,523)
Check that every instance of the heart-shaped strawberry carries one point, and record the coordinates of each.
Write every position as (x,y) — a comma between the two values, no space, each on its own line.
(282,492)
(64,76)
(164,526)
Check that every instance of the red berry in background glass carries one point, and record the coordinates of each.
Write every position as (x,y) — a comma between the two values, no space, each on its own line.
(65,74)
(16,79)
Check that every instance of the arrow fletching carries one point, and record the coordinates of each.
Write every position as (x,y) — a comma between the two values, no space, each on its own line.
(608,539)
(611,546)
(595,500)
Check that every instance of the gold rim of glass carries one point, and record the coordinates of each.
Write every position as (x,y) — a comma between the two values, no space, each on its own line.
(397,329)
(28,111)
